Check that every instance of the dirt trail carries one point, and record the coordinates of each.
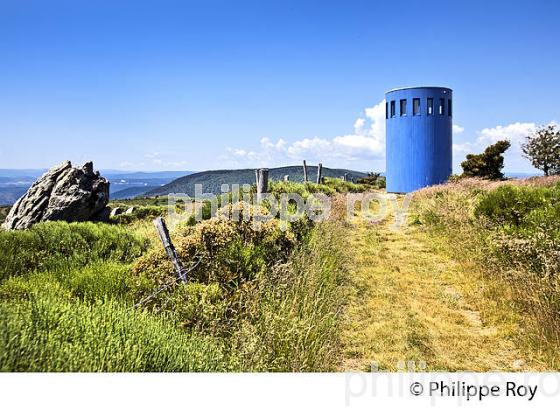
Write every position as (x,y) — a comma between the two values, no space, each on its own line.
(412,304)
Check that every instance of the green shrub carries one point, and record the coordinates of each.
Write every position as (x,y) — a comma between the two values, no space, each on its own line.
(199,306)
(232,251)
(60,245)
(509,204)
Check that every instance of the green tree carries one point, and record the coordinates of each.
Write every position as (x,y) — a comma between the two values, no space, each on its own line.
(487,165)
(543,149)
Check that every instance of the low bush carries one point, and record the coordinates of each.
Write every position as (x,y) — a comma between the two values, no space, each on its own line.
(511,205)
(232,251)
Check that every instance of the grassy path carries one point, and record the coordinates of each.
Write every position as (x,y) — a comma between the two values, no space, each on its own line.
(411,302)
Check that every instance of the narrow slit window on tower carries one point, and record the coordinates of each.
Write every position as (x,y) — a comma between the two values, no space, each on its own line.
(441,108)
(449,107)
(403,108)
(416,106)
(392,108)
(386,110)
(430,106)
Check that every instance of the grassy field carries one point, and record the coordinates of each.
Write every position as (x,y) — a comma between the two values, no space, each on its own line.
(469,282)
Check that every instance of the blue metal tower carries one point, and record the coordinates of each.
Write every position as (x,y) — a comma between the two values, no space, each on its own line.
(418,137)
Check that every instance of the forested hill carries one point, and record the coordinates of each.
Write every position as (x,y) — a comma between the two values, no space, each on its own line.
(212,180)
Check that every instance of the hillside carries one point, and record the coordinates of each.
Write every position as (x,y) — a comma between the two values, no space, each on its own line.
(212,180)
(131,192)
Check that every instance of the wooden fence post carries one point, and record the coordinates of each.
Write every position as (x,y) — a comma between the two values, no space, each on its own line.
(163,233)
(305,177)
(319,172)
(262,182)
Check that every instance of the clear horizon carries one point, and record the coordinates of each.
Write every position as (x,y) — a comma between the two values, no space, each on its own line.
(145,86)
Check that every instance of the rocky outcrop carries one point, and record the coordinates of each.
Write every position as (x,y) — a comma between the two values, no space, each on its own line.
(64,193)
(115,212)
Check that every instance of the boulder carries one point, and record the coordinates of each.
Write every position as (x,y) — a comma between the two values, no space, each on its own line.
(116,211)
(63,193)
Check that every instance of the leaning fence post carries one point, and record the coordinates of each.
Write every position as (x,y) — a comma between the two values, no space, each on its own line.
(319,172)
(163,233)
(262,182)
(305,177)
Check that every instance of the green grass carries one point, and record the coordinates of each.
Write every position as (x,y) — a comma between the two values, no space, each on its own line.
(60,245)
(52,334)
(330,187)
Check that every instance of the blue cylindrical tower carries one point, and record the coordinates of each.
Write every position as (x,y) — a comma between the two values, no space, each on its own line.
(418,137)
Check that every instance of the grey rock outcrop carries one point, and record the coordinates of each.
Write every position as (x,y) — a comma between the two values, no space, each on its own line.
(116,211)
(63,193)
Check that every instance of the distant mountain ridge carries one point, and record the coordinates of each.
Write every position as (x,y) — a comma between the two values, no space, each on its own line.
(123,184)
(131,192)
(212,181)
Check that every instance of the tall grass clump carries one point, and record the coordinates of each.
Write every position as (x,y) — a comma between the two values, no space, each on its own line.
(62,245)
(52,334)
(293,319)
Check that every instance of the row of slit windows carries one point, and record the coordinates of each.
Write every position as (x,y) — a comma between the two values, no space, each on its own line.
(416,107)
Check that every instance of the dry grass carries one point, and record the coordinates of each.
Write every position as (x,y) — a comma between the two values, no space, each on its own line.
(412,301)
(518,274)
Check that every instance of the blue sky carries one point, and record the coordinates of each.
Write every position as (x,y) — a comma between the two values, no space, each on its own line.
(195,85)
